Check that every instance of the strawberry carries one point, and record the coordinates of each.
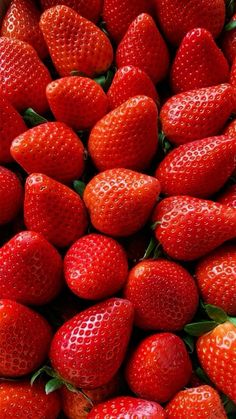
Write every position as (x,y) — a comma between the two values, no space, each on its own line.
(200,402)
(90,9)
(228,197)
(75,43)
(88,350)
(95,267)
(233,74)
(63,161)
(11,195)
(198,62)
(228,42)
(197,114)
(120,201)
(159,367)
(78,101)
(176,17)
(230,129)
(23,76)
(199,168)
(188,228)
(24,339)
(54,210)
(144,47)
(22,22)
(127,137)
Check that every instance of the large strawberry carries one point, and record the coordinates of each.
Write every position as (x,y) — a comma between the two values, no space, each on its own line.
(127,137)
(144,47)
(75,43)
(90,9)
(228,197)
(11,195)
(120,201)
(88,350)
(228,42)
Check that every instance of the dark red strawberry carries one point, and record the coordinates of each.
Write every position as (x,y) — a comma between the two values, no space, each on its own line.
(228,197)
(228,42)
(232,78)
(90,9)
(11,195)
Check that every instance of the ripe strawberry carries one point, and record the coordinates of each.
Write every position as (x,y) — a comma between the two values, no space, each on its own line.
(144,47)
(54,210)
(120,201)
(88,350)
(191,227)
(230,129)
(198,62)
(23,76)
(90,9)
(95,267)
(200,402)
(75,43)
(228,197)
(197,114)
(199,168)
(78,101)
(24,339)
(159,367)
(127,137)
(228,42)
(232,79)
(52,149)
(11,195)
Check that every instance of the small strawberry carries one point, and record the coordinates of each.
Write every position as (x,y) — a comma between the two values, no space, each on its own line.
(75,43)
(90,9)
(11,195)
(228,42)
(228,197)
(120,201)
(232,78)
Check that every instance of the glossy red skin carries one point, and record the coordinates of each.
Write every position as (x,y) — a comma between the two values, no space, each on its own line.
(77,101)
(159,367)
(191,227)
(11,195)
(30,269)
(201,402)
(126,137)
(53,210)
(197,114)
(232,78)
(228,42)
(228,197)
(88,350)
(144,47)
(199,168)
(75,43)
(91,9)
(216,352)
(230,130)
(120,201)
(198,63)
(164,295)
(24,339)
(23,76)
(34,152)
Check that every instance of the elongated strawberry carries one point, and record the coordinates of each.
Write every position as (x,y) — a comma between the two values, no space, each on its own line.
(228,42)
(11,195)
(90,9)
(228,197)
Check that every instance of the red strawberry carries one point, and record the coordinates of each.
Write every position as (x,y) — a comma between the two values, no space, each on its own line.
(190,227)
(159,367)
(228,197)
(75,43)
(144,47)
(200,402)
(120,201)
(198,62)
(54,210)
(127,137)
(88,350)
(233,74)
(23,76)
(228,42)
(230,129)
(24,339)
(90,9)
(22,22)
(178,17)
(197,114)
(52,149)
(30,269)
(11,195)
(78,101)
(95,267)
(199,168)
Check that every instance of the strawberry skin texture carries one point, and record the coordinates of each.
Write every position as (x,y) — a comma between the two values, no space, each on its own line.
(11,195)
(120,201)
(24,339)
(191,227)
(90,9)
(78,101)
(216,352)
(127,137)
(228,197)
(228,42)
(53,210)
(144,47)
(23,76)
(88,350)
(34,152)
(159,367)
(197,114)
(75,43)
(95,267)
(199,168)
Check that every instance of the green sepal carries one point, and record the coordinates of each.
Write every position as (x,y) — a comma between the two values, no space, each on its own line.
(216,313)
(157,251)
(53,385)
(230,26)
(70,387)
(32,118)
(198,329)
(44,370)
(164,143)
(105,80)
(151,246)
(155,224)
(77,73)
(203,376)
(189,341)
(79,187)
(232,320)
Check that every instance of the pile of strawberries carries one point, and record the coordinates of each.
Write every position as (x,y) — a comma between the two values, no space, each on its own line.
(118,209)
